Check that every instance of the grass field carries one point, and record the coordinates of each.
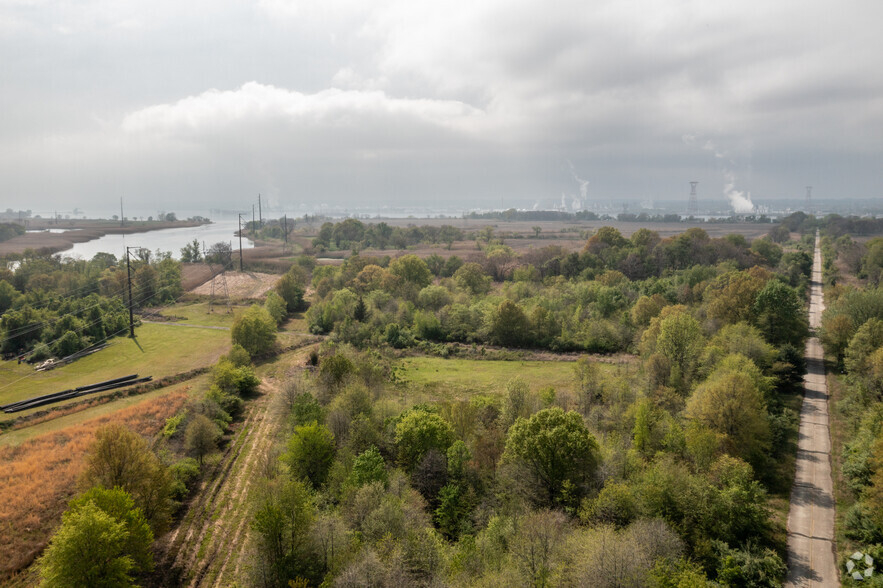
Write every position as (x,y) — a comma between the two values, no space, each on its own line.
(197,313)
(456,378)
(159,350)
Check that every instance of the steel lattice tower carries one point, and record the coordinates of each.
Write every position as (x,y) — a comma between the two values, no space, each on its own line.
(693,204)
(808,200)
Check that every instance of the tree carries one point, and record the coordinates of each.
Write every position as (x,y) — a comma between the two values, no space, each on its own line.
(255,330)
(680,341)
(779,314)
(291,292)
(558,450)
(119,505)
(283,516)
(867,339)
(472,279)
(730,403)
(121,458)
(190,253)
(310,453)
(417,432)
(220,253)
(276,306)
(368,467)
(201,436)
(731,296)
(89,549)
(509,325)
(411,269)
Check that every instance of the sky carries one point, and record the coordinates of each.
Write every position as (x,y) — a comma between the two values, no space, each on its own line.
(452,105)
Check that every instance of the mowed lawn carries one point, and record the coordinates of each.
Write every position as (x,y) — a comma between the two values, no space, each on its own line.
(159,350)
(454,378)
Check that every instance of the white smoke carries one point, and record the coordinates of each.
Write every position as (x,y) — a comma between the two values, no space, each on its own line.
(740,201)
(583,184)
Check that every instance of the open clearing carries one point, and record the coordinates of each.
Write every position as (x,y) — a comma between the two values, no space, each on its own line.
(158,350)
(456,378)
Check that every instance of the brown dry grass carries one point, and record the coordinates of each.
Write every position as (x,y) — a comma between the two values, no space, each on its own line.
(40,476)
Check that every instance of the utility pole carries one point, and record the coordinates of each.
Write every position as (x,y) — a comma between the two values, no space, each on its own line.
(252,223)
(122,218)
(131,302)
(260,215)
(240,242)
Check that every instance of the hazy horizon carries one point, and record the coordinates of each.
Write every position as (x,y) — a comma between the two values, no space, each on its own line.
(457,106)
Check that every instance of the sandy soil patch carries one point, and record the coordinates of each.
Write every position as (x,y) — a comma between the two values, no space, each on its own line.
(239,285)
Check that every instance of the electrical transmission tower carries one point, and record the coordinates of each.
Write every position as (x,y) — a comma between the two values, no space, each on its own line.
(808,200)
(223,276)
(693,204)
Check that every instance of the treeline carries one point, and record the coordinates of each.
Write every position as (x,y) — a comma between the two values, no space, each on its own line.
(852,335)
(54,306)
(353,233)
(10,230)
(595,301)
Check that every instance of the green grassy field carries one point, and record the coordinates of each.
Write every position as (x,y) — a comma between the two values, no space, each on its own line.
(197,313)
(159,350)
(455,378)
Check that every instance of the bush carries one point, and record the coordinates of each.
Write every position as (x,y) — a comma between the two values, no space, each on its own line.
(255,330)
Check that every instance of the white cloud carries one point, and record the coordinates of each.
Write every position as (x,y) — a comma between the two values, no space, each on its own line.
(256,103)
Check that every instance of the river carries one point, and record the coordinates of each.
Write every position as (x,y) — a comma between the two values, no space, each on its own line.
(164,240)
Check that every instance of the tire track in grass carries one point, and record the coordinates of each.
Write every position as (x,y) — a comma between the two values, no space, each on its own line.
(223,523)
(177,543)
(237,540)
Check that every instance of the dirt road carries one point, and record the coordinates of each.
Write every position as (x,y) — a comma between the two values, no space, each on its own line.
(811,558)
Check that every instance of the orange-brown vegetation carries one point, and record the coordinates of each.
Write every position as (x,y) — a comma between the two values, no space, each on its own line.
(39,476)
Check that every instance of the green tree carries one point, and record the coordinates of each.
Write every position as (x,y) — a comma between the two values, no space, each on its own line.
(411,269)
(558,450)
(417,432)
(368,467)
(284,514)
(89,549)
(291,292)
(121,458)
(119,505)
(276,306)
(867,339)
(680,341)
(201,436)
(255,330)
(190,253)
(310,453)
(779,314)
(472,279)
(730,403)
(509,325)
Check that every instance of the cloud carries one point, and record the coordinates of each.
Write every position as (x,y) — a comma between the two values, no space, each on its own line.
(423,100)
(256,103)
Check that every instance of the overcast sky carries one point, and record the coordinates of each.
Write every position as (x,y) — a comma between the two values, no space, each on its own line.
(457,104)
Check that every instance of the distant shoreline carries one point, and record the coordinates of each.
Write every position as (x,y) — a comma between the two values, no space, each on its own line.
(79,231)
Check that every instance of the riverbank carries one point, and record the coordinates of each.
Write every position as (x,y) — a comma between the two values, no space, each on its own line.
(69,232)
